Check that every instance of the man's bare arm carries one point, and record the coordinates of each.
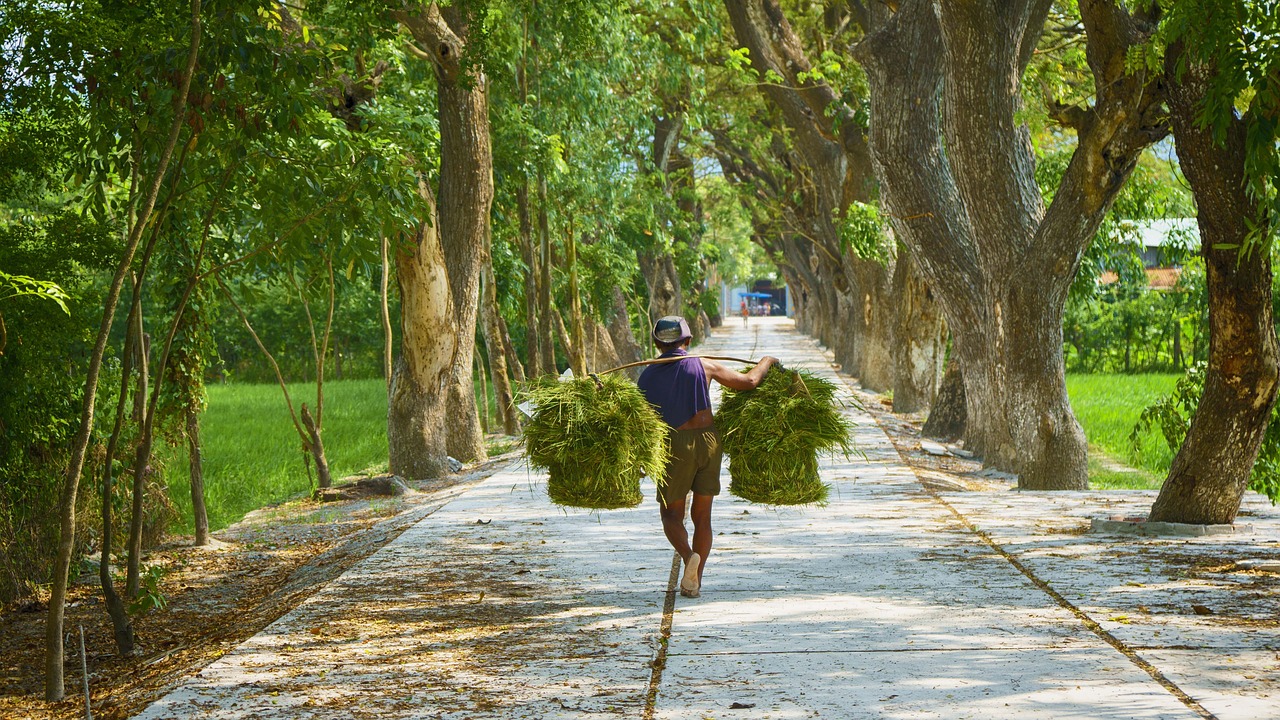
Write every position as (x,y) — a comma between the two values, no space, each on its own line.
(739,381)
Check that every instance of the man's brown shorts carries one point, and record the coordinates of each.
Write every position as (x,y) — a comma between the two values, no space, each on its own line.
(694,465)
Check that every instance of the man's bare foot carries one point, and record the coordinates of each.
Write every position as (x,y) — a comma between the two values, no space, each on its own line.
(689,584)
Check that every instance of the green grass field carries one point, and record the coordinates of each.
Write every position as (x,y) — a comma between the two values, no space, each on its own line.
(1107,407)
(253,457)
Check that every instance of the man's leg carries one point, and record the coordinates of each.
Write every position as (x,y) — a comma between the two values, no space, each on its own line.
(700,513)
(673,527)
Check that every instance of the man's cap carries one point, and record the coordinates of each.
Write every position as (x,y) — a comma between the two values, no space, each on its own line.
(671,329)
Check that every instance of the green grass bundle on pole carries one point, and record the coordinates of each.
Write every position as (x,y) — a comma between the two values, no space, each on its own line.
(594,440)
(773,435)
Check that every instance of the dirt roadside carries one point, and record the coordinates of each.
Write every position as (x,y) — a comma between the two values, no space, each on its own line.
(215,598)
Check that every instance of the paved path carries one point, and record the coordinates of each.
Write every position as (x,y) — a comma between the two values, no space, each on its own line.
(890,602)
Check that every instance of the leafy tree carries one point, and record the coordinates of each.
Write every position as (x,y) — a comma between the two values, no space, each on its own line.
(1220,63)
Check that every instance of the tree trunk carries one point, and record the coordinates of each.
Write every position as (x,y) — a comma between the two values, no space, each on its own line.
(142,456)
(463,202)
(601,353)
(54,688)
(1177,345)
(494,348)
(122,625)
(324,480)
(921,339)
(547,344)
(947,416)
(874,321)
(466,193)
(142,361)
(482,401)
(532,343)
(428,339)
(663,281)
(512,360)
(578,357)
(958,178)
(195,462)
(1211,471)
(624,341)
(565,341)
(385,307)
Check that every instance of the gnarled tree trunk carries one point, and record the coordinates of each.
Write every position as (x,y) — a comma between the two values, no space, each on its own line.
(463,201)
(920,339)
(429,338)
(947,416)
(958,177)
(1209,474)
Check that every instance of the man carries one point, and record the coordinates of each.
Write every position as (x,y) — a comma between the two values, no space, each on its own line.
(681,391)
(745,312)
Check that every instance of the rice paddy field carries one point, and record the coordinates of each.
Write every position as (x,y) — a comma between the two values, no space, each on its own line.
(1107,407)
(253,457)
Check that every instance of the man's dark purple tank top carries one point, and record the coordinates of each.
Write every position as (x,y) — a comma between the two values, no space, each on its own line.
(678,389)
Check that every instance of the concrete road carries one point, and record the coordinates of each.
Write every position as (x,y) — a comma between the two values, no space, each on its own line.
(892,601)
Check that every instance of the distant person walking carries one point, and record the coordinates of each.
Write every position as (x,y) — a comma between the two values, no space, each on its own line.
(681,390)
(746,311)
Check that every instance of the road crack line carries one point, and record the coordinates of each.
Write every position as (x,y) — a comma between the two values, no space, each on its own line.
(664,638)
(1089,623)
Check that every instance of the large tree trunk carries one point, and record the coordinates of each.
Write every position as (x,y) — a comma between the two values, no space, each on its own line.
(428,340)
(874,319)
(958,178)
(921,339)
(466,194)
(1209,475)
(463,202)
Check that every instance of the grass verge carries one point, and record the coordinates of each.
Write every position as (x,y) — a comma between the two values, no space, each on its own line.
(1108,406)
(252,454)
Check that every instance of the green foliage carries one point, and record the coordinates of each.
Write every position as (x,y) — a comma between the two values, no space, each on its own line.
(150,596)
(16,286)
(594,441)
(774,433)
(1172,415)
(1240,41)
(1129,327)
(863,232)
(41,362)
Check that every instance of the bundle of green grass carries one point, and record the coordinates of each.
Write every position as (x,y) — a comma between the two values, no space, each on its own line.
(774,433)
(594,440)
